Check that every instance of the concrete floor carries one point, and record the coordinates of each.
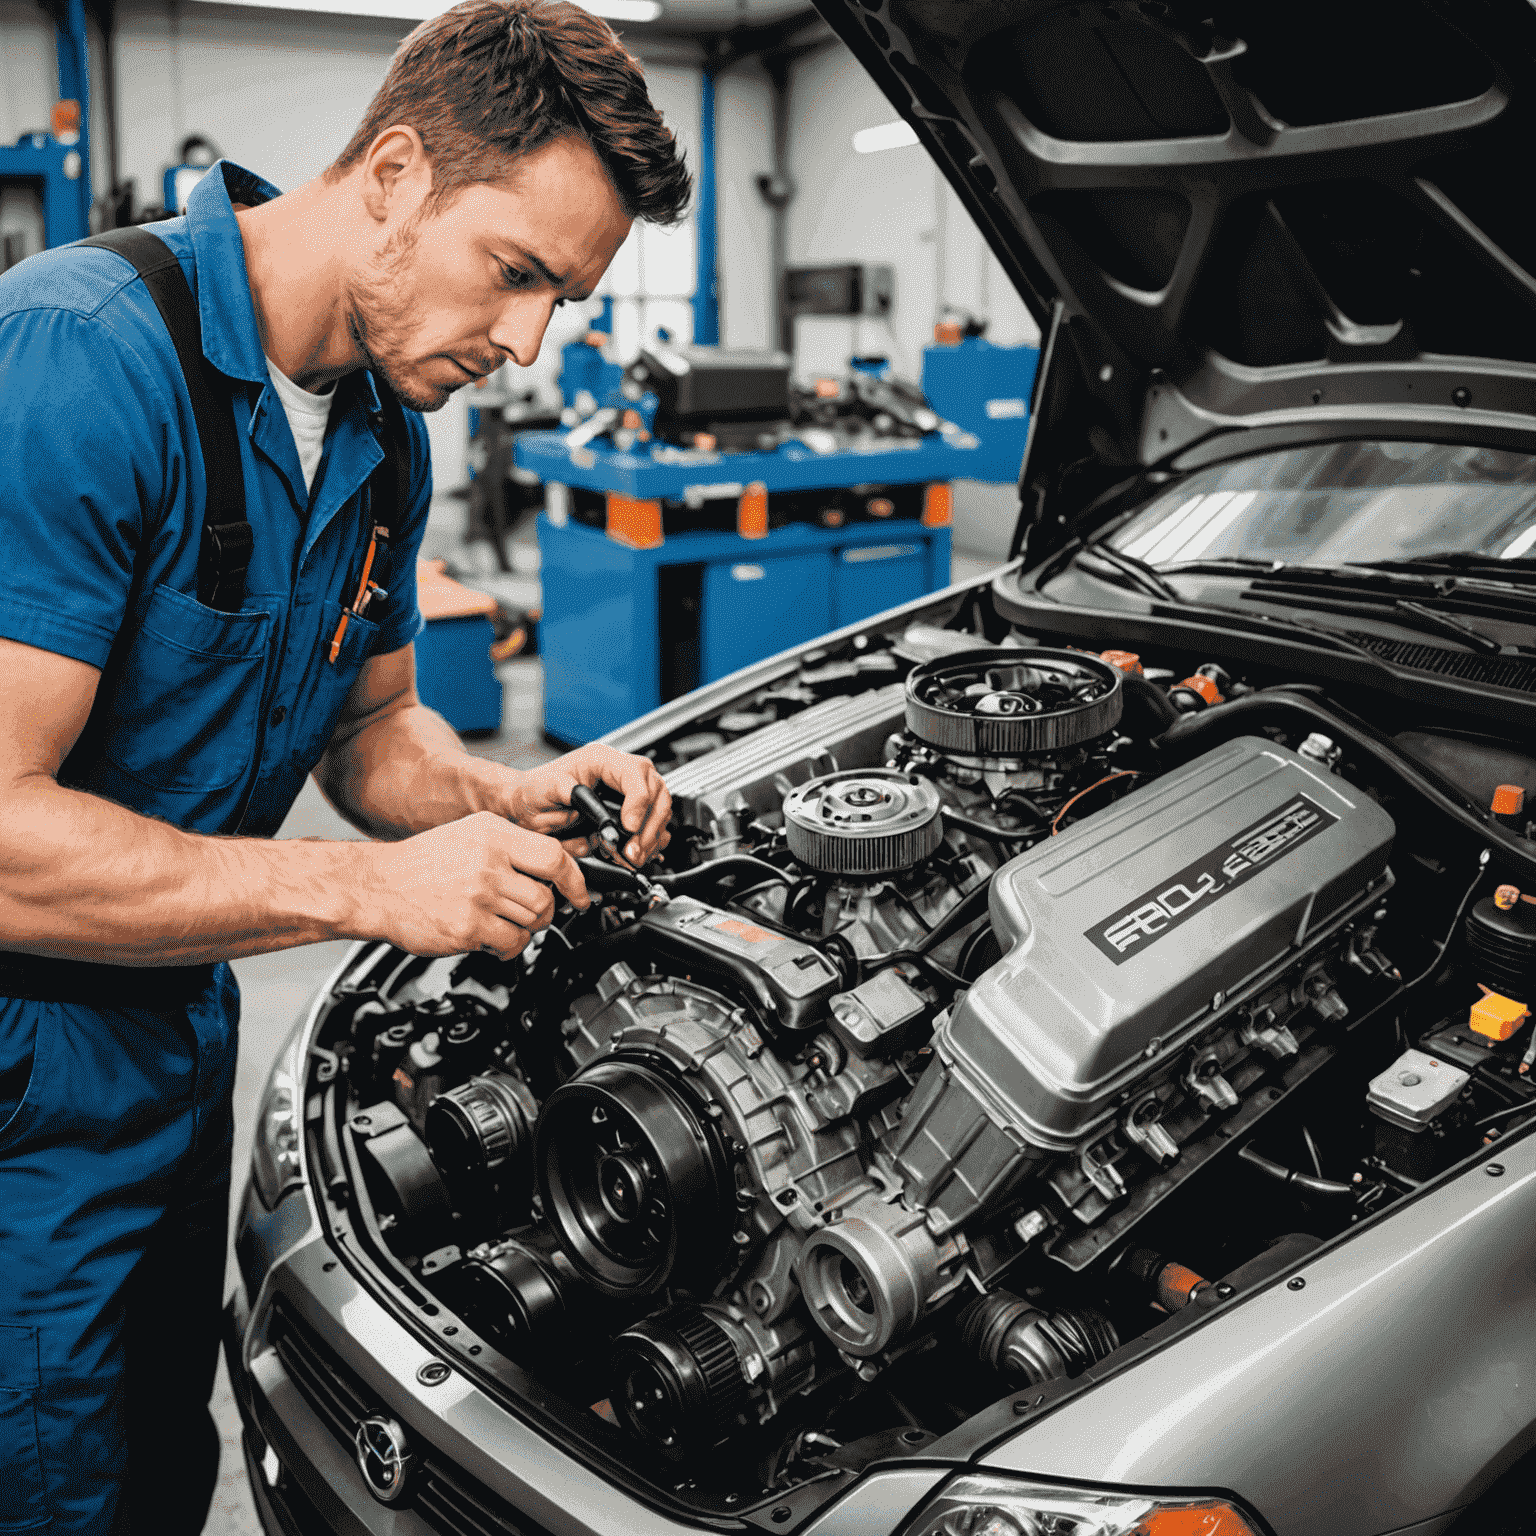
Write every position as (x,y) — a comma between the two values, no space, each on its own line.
(274,988)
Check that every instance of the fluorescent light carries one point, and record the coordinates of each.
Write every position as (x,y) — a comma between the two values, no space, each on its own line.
(623,10)
(423,10)
(1522,545)
(1214,529)
(868,141)
(1175,538)
(1137,548)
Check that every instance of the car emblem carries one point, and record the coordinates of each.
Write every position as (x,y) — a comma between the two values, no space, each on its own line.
(383,1457)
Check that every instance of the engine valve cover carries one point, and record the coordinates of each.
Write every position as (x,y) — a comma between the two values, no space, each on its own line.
(1127,933)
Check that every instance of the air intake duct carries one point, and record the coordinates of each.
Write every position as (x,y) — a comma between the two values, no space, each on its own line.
(1027,1346)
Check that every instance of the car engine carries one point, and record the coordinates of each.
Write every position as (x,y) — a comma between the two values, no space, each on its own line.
(943,1037)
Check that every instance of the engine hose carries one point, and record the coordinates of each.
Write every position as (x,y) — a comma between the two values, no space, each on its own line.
(1148,710)
(1306,1183)
(715,869)
(983,830)
(970,906)
(1289,709)
(601,877)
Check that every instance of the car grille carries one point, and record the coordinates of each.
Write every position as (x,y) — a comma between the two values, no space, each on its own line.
(442,1494)
(1471,666)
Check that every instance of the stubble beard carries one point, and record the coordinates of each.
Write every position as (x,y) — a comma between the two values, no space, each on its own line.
(378,307)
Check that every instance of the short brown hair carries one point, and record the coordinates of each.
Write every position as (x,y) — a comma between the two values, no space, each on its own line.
(490,80)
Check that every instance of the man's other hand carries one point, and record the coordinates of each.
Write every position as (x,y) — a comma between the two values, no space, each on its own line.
(479,883)
(540,799)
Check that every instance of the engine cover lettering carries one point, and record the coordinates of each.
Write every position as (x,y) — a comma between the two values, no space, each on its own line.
(1156,913)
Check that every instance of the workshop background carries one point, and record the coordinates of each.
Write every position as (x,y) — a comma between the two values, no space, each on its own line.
(811,198)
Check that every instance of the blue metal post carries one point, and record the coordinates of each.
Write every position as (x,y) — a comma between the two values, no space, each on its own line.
(75,84)
(706,298)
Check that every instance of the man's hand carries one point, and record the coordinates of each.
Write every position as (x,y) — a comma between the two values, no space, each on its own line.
(478,883)
(540,798)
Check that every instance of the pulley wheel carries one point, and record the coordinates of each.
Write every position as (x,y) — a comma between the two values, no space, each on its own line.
(1012,703)
(635,1178)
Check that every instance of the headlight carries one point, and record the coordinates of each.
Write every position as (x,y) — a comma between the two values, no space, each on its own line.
(275,1148)
(999,1506)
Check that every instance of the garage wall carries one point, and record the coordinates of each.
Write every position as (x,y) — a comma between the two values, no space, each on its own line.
(744,151)
(894,207)
(282,92)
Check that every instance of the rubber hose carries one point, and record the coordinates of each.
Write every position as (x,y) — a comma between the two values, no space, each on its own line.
(991,834)
(1148,709)
(1280,707)
(731,864)
(1305,1182)
(970,906)
(602,876)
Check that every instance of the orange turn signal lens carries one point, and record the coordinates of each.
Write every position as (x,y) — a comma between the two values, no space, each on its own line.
(938,506)
(1195,1520)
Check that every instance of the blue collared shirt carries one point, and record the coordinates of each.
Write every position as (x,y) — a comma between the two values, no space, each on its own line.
(210,720)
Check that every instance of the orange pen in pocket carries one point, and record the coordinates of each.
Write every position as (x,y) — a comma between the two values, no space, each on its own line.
(365,592)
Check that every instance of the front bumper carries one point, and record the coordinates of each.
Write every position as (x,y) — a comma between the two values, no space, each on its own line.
(317,1352)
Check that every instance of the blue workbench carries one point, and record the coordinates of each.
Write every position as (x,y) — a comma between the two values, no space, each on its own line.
(612,639)
(642,613)
(657,471)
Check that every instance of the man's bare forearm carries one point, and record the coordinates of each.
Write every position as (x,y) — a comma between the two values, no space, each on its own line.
(405,771)
(82,878)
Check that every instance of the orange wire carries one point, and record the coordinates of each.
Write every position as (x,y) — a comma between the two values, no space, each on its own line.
(1109,778)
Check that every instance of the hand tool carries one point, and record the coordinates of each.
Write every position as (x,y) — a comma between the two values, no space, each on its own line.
(607,835)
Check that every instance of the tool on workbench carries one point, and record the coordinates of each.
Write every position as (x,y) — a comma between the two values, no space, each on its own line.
(607,835)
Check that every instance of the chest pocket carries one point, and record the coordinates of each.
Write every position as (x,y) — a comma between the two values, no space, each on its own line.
(183,714)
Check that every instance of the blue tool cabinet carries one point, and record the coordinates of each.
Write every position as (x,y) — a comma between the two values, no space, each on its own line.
(624,629)
(454,674)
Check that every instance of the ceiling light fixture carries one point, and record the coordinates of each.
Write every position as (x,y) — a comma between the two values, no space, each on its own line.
(867,141)
(423,10)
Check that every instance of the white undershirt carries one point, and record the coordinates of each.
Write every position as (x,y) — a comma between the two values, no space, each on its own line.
(307,415)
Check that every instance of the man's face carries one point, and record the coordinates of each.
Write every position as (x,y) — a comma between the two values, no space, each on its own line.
(453,295)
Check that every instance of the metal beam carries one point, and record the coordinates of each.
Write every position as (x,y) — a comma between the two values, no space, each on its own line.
(706,290)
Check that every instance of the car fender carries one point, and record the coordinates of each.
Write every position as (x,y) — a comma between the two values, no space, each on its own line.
(1384,1382)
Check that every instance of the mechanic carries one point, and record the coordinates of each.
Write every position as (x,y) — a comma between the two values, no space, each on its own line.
(151,744)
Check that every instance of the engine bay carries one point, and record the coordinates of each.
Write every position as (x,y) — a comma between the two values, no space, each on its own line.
(995,1000)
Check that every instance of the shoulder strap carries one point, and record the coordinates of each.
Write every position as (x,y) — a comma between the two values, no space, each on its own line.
(389,486)
(225,550)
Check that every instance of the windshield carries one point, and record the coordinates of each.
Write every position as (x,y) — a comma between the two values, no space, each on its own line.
(1344,503)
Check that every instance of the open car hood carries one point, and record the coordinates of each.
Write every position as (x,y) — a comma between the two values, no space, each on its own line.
(1285,221)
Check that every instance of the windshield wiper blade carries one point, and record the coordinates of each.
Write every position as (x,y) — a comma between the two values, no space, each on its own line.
(1448,624)
(1141,575)
(1458,562)
(1450,583)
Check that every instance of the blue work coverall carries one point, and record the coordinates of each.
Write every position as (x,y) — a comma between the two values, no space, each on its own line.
(115,1120)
